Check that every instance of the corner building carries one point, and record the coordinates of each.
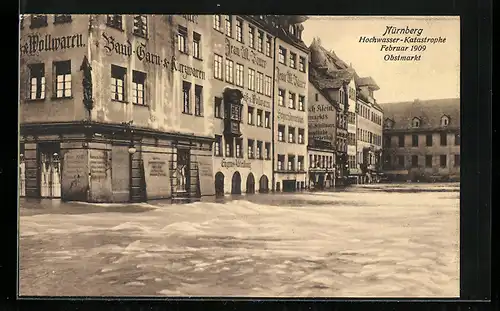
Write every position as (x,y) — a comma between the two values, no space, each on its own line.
(242,84)
(422,140)
(290,113)
(116,108)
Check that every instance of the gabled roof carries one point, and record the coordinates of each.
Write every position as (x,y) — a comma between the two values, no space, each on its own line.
(429,112)
(367,81)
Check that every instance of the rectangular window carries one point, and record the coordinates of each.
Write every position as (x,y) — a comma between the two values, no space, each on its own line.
(401,161)
(428,161)
(260,82)
(239,74)
(38,21)
(291,134)
(267,151)
(115,21)
(414,140)
(251,37)
(428,140)
(414,161)
(62,18)
(229,71)
(259,117)
(182,39)
(260,41)
(282,55)
(196,45)
(63,78)
(198,100)
(442,160)
(291,162)
(259,150)
(316,97)
(300,163)
(118,83)
(444,140)
(267,118)
(268,86)
(302,64)
(251,79)
(456,163)
(138,86)
(281,162)
(457,139)
(217,66)
(218,107)
(239,30)
(281,133)
(218,146)
(229,26)
(229,147)
(250,115)
(251,149)
(291,100)
(301,136)
(281,97)
(217,22)
(293,60)
(186,95)
(239,148)
(302,99)
(140,26)
(401,142)
(37,81)
(268,46)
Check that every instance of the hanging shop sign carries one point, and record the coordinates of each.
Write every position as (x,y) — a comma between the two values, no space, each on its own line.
(36,43)
(112,46)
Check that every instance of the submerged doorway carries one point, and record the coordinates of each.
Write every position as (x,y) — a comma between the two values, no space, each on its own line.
(219,184)
(264,184)
(49,170)
(250,184)
(183,170)
(236,183)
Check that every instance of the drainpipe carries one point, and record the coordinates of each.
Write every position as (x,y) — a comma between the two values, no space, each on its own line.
(273,178)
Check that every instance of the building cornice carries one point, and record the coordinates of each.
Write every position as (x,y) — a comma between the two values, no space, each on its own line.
(421,130)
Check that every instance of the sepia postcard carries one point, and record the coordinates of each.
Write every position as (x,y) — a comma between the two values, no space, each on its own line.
(239,156)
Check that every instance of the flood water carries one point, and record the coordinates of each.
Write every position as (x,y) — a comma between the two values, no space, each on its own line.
(395,240)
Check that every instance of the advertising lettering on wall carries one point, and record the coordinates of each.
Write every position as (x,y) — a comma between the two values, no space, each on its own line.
(140,51)
(35,43)
(291,78)
(235,163)
(252,98)
(322,122)
(282,116)
(245,53)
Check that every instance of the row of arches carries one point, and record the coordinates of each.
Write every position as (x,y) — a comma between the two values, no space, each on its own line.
(263,186)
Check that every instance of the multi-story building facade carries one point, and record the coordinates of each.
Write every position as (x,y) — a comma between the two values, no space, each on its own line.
(116,108)
(350,91)
(261,133)
(322,114)
(243,54)
(290,122)
(369,131)
(336,78)
(422,140)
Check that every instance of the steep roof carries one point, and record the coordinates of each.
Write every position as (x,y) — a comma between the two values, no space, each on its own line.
(429,112)
(367,81)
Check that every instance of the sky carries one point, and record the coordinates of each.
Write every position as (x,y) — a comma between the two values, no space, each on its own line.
(435,76)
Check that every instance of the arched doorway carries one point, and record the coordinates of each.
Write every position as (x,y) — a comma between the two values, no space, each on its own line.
(263,184)
(250,184)
(236,183)
(219,184)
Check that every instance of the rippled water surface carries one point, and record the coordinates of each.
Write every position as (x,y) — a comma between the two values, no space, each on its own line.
(366,241)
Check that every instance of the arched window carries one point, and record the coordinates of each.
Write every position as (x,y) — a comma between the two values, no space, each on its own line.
(445,120)
(388,123)
(415,122)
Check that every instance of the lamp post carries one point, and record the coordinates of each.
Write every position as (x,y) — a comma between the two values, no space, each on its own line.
(131,151)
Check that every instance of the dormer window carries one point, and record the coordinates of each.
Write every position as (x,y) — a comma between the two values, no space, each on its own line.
(445,120)
(415,123)
(388,123)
